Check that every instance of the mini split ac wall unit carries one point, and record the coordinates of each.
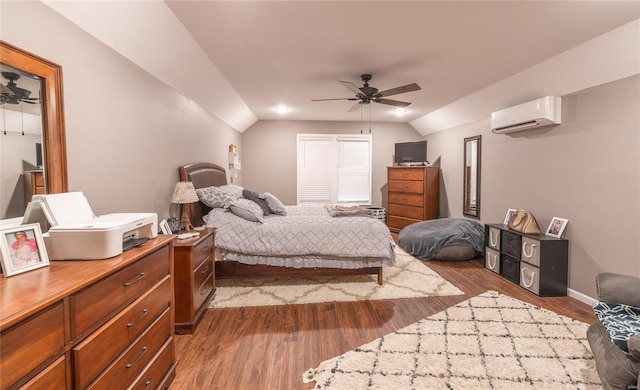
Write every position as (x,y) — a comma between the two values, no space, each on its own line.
(534,114)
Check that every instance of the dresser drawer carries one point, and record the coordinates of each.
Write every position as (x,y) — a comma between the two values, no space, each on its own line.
(397,223)
(530,250)
(415,187)
(405,211)
(21,352)
(530,278)
(413,174)
(492,260)
(130,364)
(91,305)
(203,284)
(38,180)
(154,374)
(95,353)
(52,377)
(406,199)
(203,274)
(202,251)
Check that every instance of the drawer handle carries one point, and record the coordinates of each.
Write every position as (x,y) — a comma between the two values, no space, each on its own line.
(495,258)
(493,241)
(206,249)
(147,384)
(144,350)
(205,270)
(524,250)
(144,314)
(135,281)
(524,279)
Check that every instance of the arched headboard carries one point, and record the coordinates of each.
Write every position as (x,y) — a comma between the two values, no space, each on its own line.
(202,175)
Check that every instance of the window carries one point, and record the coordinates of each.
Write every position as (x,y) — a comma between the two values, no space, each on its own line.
(334,168)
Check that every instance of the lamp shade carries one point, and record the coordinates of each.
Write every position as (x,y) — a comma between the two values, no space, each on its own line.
(184,192)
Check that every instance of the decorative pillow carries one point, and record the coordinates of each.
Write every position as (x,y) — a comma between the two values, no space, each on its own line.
(253,196)
(620,321)
(219,196)
(247,209)
(275,205)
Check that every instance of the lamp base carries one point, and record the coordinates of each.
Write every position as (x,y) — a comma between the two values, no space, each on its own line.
(185,220)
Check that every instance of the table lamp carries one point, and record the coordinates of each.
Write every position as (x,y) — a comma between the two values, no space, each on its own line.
(183,194)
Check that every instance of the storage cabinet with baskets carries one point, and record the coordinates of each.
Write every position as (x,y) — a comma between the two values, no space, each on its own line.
(536,262)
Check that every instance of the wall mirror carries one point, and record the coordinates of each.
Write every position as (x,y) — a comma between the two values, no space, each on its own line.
(49,100)
(472,158)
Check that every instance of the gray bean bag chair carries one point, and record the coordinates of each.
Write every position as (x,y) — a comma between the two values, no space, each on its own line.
(448,239)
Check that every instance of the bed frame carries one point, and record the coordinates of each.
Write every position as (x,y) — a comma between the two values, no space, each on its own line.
(207,174)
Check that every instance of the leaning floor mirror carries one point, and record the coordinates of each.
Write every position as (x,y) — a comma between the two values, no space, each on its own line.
(471,174)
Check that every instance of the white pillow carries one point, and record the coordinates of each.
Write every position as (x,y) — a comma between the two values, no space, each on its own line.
(247,209)
(219,196)
(274,204)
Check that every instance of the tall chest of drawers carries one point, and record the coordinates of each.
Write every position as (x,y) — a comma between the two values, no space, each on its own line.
(412,195)
(536,262)
(91,324)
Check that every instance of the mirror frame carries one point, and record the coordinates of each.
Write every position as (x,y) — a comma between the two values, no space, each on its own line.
(478,139)
(53,131)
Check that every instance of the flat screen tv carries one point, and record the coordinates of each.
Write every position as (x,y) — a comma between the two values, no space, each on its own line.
(411,153)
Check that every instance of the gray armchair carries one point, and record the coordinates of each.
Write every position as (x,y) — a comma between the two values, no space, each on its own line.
(617,370)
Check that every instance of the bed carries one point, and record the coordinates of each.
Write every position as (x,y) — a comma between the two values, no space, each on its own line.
(305,241)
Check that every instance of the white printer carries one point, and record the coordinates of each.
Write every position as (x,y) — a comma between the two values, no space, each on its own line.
(75,233)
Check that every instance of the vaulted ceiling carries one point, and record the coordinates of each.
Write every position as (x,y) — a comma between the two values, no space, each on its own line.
(268,53)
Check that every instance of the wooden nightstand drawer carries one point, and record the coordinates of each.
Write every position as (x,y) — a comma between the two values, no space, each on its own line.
(93,304)
(21,352)
(202,250)
(98,350)
(154,374)
(203,274)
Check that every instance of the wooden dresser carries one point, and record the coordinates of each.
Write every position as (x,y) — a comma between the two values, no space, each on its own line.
(195,279)
(412,195)
(100,324)
(33,184)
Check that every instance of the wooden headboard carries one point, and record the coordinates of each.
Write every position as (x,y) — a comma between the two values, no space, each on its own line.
(202,175)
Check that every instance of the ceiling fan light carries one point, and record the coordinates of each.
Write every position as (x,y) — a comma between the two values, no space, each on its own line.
(400,111)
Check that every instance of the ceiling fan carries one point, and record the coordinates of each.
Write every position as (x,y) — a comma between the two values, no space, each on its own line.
(13,94)
(367,94)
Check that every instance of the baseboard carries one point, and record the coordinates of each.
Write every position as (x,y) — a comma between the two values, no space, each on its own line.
(581,297)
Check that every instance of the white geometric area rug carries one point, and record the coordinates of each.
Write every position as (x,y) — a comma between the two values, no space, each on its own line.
(409,278)
(491,341)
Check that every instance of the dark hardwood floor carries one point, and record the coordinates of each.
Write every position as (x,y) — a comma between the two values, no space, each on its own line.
(270,347)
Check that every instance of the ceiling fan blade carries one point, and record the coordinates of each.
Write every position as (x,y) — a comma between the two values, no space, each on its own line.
(399,90)
(390,102)
(355,107)
(322,100)
(351,86)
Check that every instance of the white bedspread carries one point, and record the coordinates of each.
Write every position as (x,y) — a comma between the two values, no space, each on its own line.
(305,232)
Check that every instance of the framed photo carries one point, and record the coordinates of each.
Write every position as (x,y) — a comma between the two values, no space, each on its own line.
(510,214)
(556,227)
(22,248)
(164,227)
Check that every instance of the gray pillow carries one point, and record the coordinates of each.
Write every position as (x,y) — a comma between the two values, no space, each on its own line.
(275,205)
(247,209)
(253,196)
(217,197)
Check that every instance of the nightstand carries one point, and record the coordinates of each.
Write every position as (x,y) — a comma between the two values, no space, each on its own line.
(194,279)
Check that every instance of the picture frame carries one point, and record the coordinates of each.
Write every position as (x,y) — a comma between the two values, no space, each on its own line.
(22,249)
(509,215)
(165,228)
(556,227)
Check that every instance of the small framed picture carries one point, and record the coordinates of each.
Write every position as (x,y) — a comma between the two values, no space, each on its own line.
(510,214)
(556,227)
(164,227)
(22,248)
